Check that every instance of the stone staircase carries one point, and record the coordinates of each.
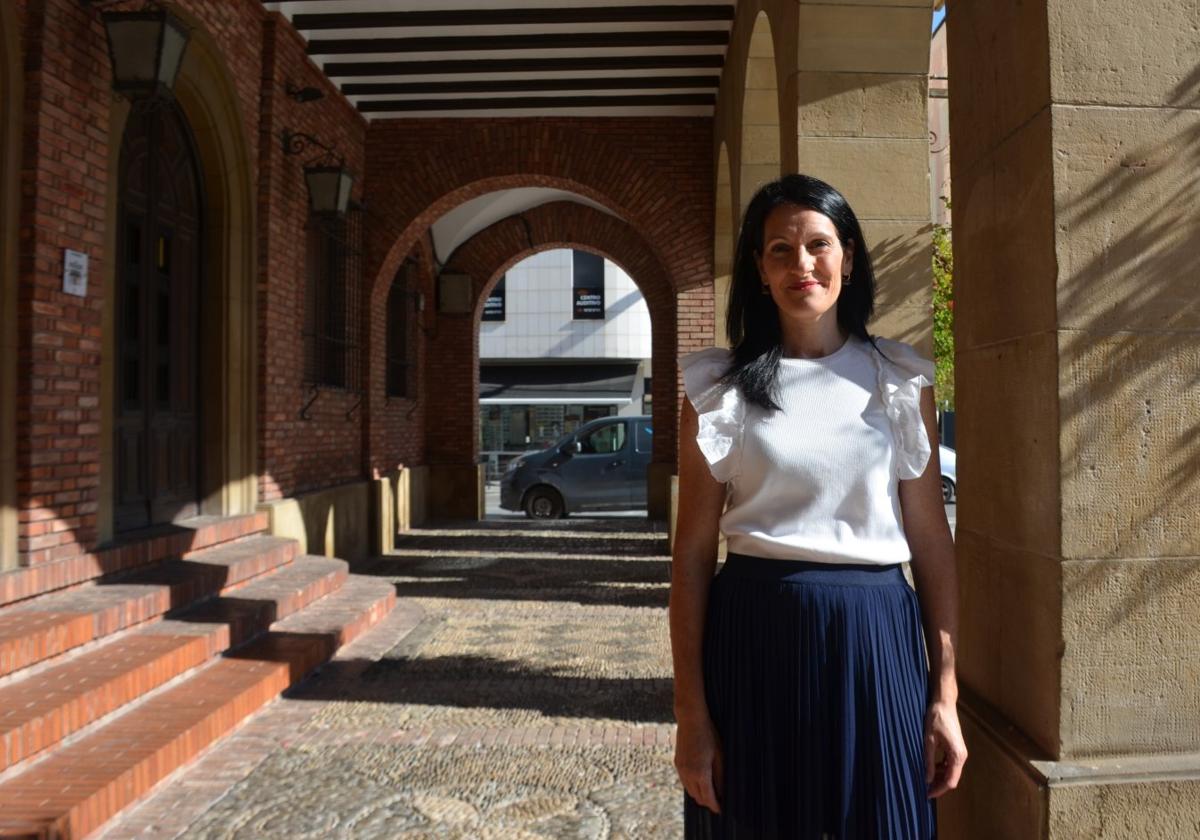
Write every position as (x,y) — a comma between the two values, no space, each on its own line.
(109,686)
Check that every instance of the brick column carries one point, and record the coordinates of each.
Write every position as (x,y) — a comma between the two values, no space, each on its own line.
(452,365)
(1076,172)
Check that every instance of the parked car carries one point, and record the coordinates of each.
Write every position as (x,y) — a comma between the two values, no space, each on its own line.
(949,475)
(600,466)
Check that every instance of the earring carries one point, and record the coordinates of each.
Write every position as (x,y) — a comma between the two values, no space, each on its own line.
(845,279)
(765,289)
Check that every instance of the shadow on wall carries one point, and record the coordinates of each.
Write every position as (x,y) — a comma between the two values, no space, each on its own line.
(354,521)
(577,331)
(1129,354)
(1129,382)
(902,267)
(333,522)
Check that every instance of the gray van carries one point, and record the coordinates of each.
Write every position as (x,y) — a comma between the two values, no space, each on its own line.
(600,466)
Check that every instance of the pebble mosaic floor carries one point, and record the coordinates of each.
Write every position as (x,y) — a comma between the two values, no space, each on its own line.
(521,690)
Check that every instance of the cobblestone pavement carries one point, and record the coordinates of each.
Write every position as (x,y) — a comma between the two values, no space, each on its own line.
(521,689)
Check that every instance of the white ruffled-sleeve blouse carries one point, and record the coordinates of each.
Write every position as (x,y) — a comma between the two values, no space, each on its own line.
(817,480)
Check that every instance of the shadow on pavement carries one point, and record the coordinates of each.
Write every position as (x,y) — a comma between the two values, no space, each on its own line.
(629,583)
(628,522)
(483,682)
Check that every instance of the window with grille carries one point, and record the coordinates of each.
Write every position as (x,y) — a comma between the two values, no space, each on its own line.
(333,296)
(397,334)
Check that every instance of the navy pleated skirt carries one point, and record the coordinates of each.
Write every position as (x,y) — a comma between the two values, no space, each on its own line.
(815,677)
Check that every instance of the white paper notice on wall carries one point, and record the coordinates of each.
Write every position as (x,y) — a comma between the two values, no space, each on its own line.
(75,272)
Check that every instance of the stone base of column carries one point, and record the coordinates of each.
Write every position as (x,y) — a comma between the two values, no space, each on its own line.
(658,491)
(1009,792)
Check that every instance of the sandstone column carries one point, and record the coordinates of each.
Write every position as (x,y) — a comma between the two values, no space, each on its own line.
(859,93)
(1076,168)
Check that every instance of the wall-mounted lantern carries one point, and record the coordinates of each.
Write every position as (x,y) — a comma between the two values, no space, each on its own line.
(328,189)
(329,181)
(146,50)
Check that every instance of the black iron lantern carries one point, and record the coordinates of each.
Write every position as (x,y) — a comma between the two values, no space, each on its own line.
(329,181)
(146,49)
(328,189)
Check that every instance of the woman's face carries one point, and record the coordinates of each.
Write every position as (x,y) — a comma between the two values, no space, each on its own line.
(802,262)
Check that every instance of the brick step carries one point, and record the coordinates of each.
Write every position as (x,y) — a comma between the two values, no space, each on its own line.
(38,712)
(134,550)
(254,607)
(358,606)
(41,628)
(79,787)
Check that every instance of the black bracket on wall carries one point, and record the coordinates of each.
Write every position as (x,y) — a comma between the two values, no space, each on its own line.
(312,398)
(297,142)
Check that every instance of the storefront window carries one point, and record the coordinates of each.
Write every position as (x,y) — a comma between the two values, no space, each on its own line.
(517,428)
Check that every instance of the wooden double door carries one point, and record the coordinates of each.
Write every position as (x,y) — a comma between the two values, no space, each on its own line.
(158,317)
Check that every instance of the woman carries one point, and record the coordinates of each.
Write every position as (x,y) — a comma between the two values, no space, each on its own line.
(805,706)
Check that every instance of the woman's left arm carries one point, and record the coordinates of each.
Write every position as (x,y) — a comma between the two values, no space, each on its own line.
(933,570)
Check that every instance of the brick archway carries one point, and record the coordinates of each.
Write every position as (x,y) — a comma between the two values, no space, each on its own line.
(655,174)
(487,255)
(645,173)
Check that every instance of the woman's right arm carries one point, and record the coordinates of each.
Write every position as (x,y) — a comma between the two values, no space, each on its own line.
(693,560)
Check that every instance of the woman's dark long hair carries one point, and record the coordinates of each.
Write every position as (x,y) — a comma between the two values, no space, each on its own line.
(752,318)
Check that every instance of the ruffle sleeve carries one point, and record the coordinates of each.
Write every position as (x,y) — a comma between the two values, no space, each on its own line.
(719,408)
(902,375)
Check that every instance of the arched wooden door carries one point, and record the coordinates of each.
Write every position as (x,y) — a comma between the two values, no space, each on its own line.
(156,455)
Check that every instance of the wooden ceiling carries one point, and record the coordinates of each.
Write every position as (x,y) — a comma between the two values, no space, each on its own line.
(476,58)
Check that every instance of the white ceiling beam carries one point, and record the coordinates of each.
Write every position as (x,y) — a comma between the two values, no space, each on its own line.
(566,52)
(625,111)
(516,94)
(289,9)
(514,29)
(525,75)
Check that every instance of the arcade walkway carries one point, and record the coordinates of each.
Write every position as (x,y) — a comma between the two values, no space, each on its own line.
(520,689)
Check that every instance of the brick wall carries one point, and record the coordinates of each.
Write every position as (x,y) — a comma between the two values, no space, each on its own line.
(656,173)
(297,454)
(64,189)
(399,423)
(58,367)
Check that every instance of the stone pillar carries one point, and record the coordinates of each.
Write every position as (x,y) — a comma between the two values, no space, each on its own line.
(859,90)
(725,231)
(1076,172)
(760,149)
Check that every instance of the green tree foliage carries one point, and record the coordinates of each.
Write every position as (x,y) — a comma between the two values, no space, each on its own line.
(943,317)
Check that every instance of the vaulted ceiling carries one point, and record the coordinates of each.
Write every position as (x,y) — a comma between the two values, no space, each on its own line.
(473,58)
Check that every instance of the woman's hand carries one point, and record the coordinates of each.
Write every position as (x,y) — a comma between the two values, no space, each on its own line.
(698,761)
(945,750)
